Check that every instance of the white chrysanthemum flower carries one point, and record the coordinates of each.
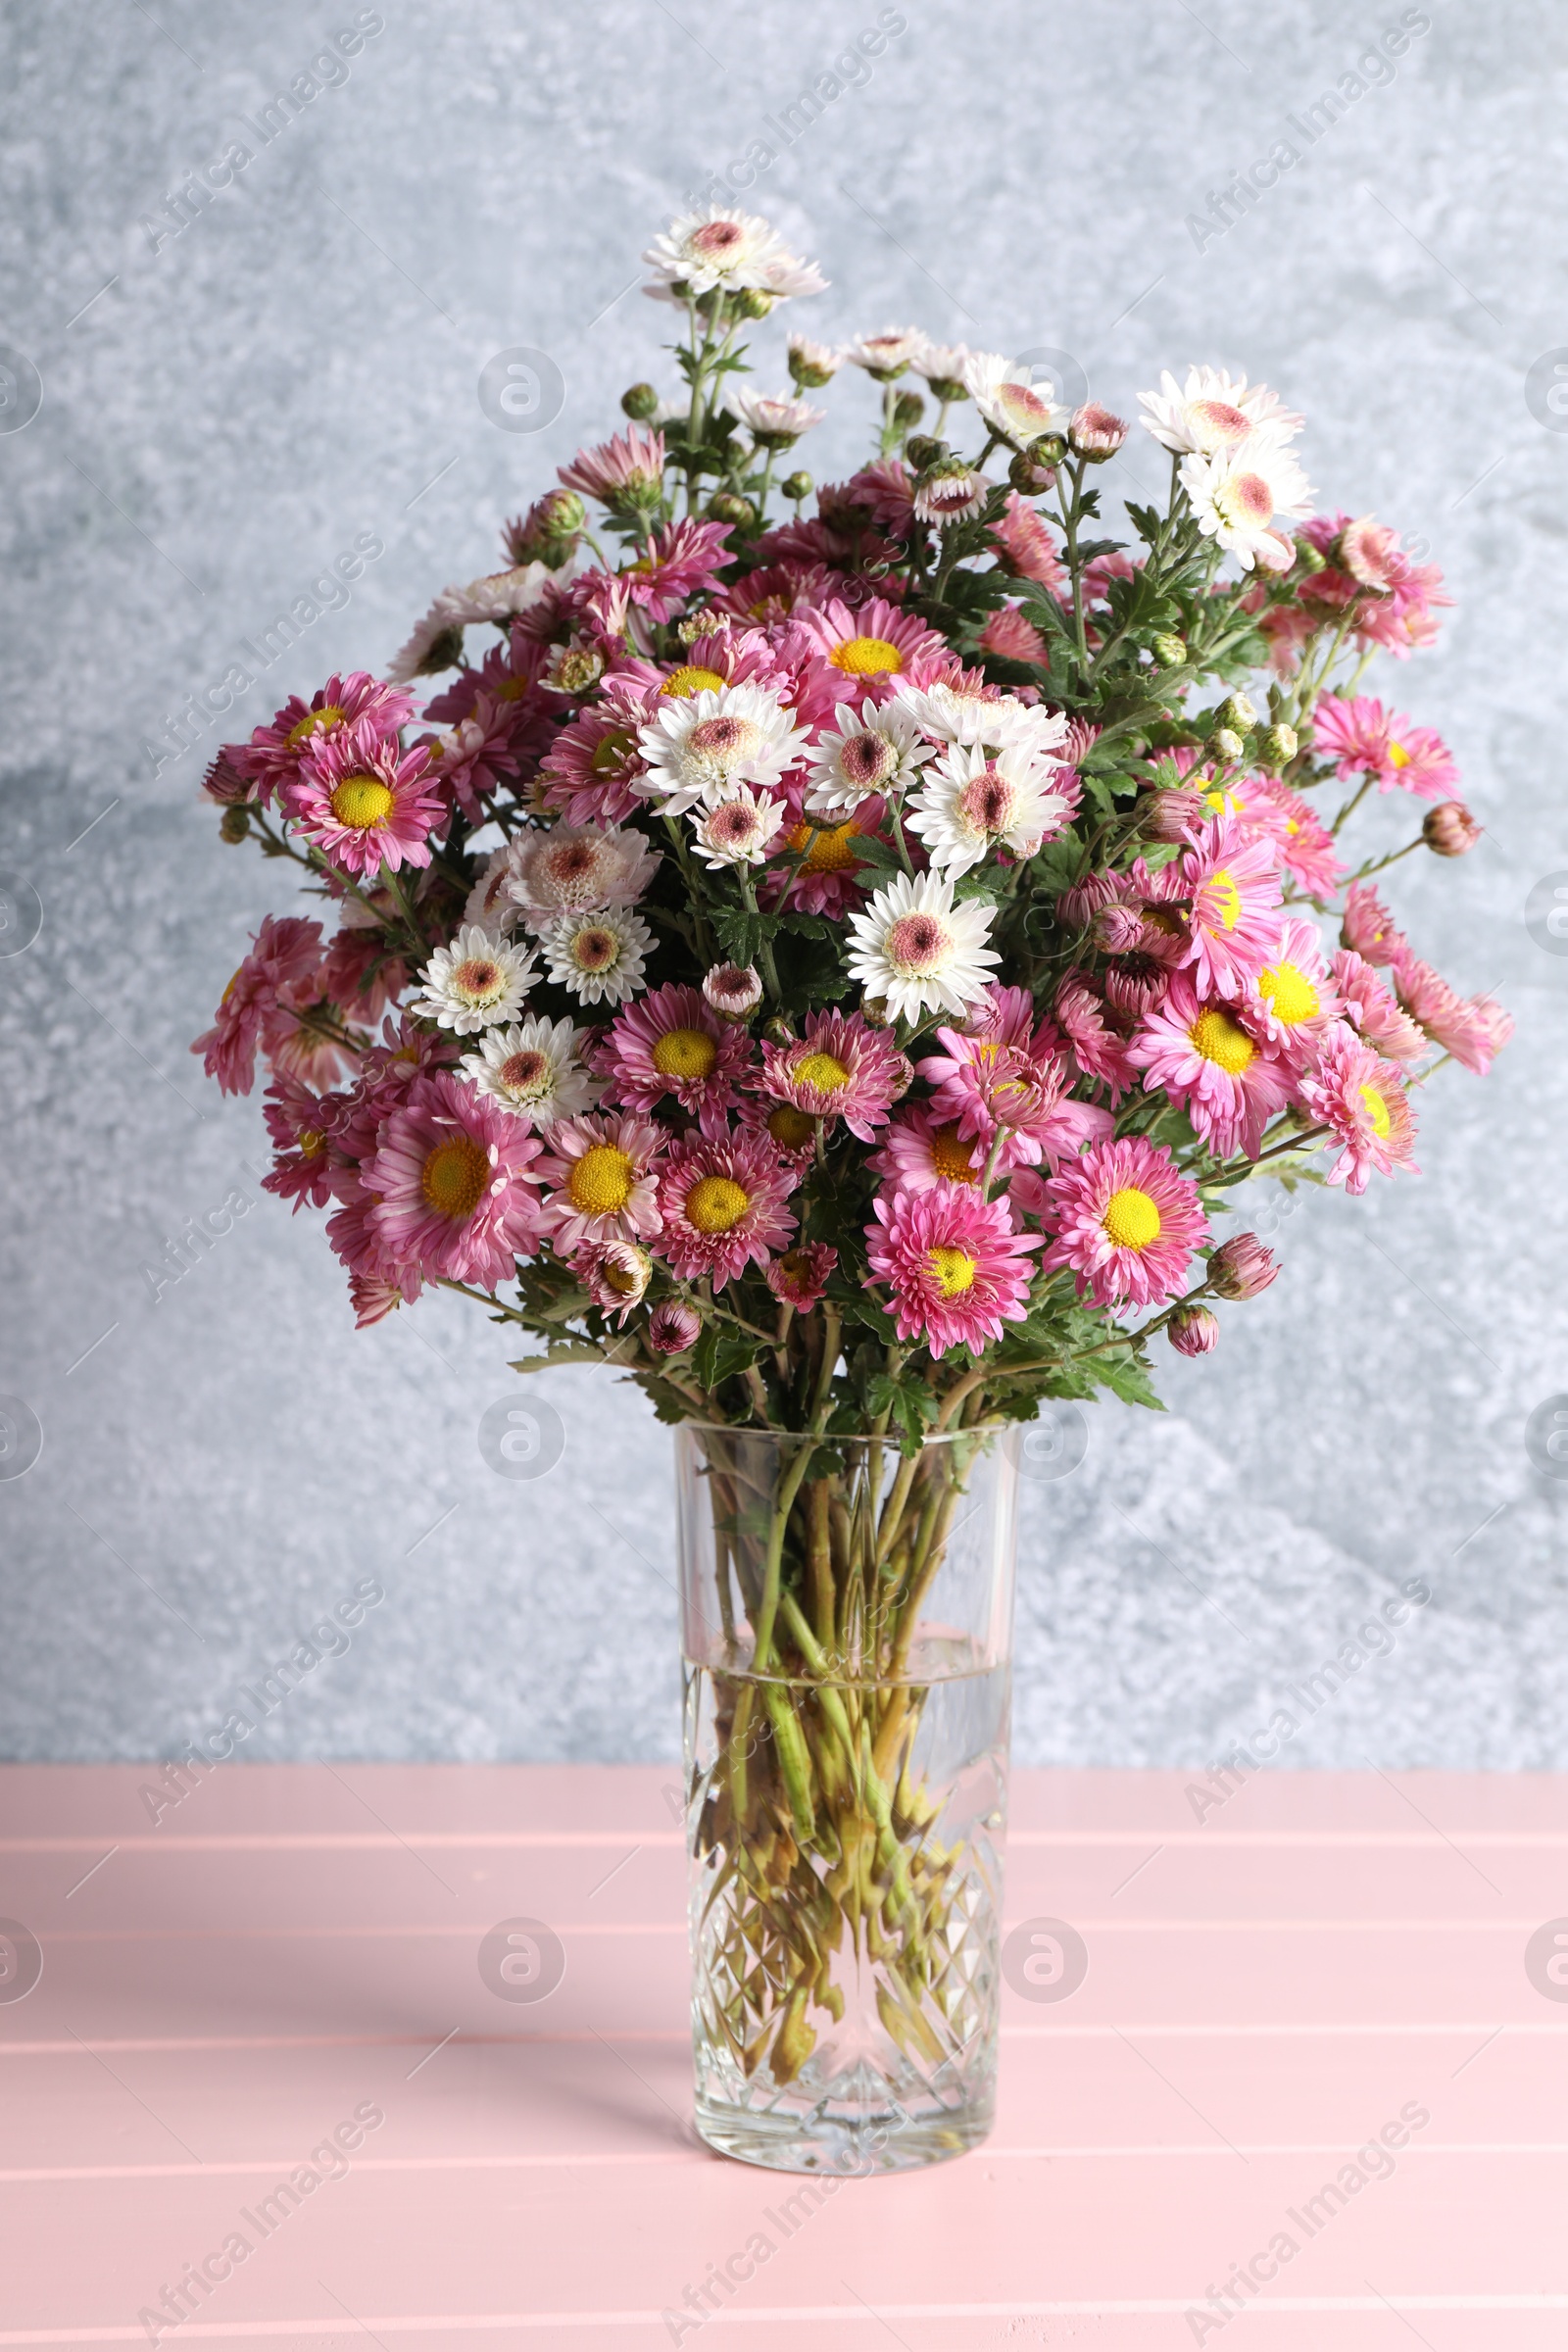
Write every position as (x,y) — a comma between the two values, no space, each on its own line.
(943,364)
(1213,412)
(913,950)
(972,803)
(572,869)
(531,1070)
(951,492)
(703,747)
(1234,498)
(820,361)
(717,249)
(490,903)
(480,979)
(771,416)
(600,957)
(968,714)
(888,354)
(877,750)
(498,596)
(738,831)
(1009,403)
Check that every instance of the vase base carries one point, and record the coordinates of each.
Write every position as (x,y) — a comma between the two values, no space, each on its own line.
(851,2147)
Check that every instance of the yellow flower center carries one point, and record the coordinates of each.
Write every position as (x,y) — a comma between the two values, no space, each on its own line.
(1223,898)
(688,679)
(455,1176)
(611,750)
(511,690)
(1399,757)
(865,657)
(314,723)
(685,1053)
(1223,1042)
(953,1269)
(823,1074)
(1377,1110)
(715,1203)
(790,1127)
(622,1280)
(830,853)
(1130,1218)
(1289,991)
(360,802)
(311,1140)
(599,1182)
(951,1157)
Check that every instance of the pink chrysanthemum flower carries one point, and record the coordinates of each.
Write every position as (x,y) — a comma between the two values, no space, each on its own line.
(873,642)
(800,1278)
(791,1132)
(577,869)
(1362,738)
(999,1073)
(1458,1024)
(365,803)
(724,1207)
(271,758)
(1305,846)
(592,770)
(955,1269)
(1362,1103)
(772,593)
(1293,999)
(260,1004)
(1229,1084)
(673,1327)
(300,1122)
(454,1178)
(671,1041)
(1127,1222)
(1234,927)
(474,754)
(1368,927)
(1012,637)
(603,1171)
(615,1275)
(1028,549)
(840,1068)
(626,470)
(1097,1049)
(1373,1009)
(918,1152)
(728,657)
(678,563)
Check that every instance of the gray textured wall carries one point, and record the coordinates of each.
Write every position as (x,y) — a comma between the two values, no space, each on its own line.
(223,414)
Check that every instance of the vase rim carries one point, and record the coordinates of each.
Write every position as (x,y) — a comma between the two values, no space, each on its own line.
(776,1437)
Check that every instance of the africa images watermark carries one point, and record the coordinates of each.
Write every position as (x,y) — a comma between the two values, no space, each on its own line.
(1374,70)
(850,70)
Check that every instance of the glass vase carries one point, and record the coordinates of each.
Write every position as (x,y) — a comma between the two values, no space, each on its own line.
(847,1632)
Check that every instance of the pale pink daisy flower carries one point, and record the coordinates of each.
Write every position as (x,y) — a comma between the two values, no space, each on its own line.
(615,1275)
(950,491)
(800,1278)
(1234,926)
(600,958)
(260,1006)
(1013,407)
(436,640)
(917,1151)
(973,802)
(723,1205)
(873,642)
(1368,927)
(1237,496)
(680,561)
(271,757)
(1362,1103)
(1229,1084)
(673,1327)
(719,250)
(531,1070)
(364,802)
(840,1068)
(604,1178)
(480,979)
(1374,1009)
(874,750)
(1096,432)
(575,869)
(1456,1023)
(915,950)
(953,1267)
(1127,1222)
(671,1042)
(1292,999)
(738,831)
(627,469)
(454,1183)
(1362,738)
(705,746)
(888,354)
(773,419)
(1213,413)
(813,365)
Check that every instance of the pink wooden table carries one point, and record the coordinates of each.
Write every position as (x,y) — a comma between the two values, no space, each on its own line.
(288,1962)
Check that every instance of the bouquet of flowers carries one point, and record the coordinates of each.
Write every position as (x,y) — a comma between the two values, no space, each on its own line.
(837,959)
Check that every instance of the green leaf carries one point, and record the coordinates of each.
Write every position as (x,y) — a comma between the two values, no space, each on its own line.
(562,1352)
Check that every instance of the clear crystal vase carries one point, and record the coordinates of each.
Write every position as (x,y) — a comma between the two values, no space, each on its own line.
(847,1628)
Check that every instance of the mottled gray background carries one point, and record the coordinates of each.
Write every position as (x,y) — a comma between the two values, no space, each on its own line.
(223,414)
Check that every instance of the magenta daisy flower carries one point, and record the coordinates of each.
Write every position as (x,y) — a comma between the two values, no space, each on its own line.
(841,1069)
(678,563)
(455,1181)
(1293,999)
(1305,846)
(271,758)
(259,1006)
(1458,1024)
(874,643)
(1362,1103)
(791,1132)
(1235,890)
(800,1278)
(1373,1009)
(671,1042)
(300,1123)
(1229,1084)
(954,1265)
(590,771)
(723,1205)
(626,469)
(365,803)
(1002,1073)
(918,1152)
(605,1174)
(1362,738)
(1127,1222)
(1368,927)
(1097,1048)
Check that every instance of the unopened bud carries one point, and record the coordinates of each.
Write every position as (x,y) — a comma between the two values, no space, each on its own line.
(923,450)
(673,1327)
(874,1012)
(1095,433)
(1117,929)
(1309,559)
(1169,651)
(1237,714)
(796,486)
(692,625)
(947,388)
(225,784)
(1193,1330)
(640,400)
(1225,744)
(1049,450)
(1172,816)
(1280,745)
(908,409)
(233,824)
(1032,480)
(752,302)
(1242,1267)
(778,1030)
(734,991)
(727,506)
(1449,829)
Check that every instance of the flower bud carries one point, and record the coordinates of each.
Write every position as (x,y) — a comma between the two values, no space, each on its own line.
(225,784)
(1237,714)
(1242,1267)
(923,450)
(1193,1330)
(1225,744)
(947,388)
(908,409)
(734,991)
(233,824)
(778,1031)
(673,1328)
(1449,829)
(1117,929)
(1169,651)
(1309,559)
(753,301)
(1095,433)
(796,486)
(727,506)
(1049,450)
(640,400)
(1172,815)
(1030,480)
(1280,745)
